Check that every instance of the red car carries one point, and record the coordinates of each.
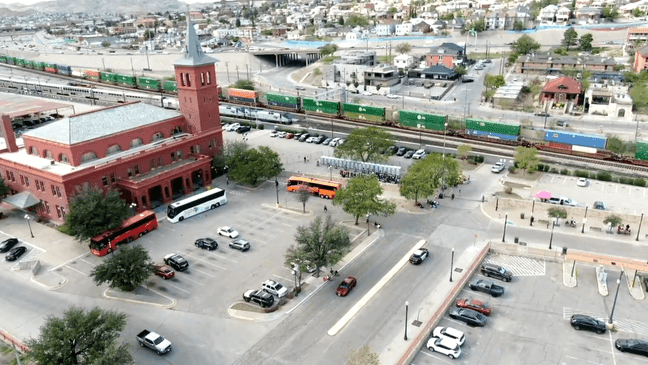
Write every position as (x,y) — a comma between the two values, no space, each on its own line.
(476,305)
(345,286)
(164,271)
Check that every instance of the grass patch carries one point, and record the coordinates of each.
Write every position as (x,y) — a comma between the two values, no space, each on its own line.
(519,174)
(328,60)
(639,96)
(242,306)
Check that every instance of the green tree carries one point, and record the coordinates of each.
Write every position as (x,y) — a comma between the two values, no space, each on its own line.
(585,42)
(320,244)
(238,22)
(570,38)
(512,58)
(494,81)
(525,45)
(4,189)
(302,196)
(637,13)
(360,197)
(460,70)
(328,49)
(612,220)
(105,44)
(610,12)
(518,25)
(365,144)
(244,84)
(392,10)
(80,337)
(356,21)
(251,165)
(526,157)
(422,178)
(92,212)
(615,144)
(403,48)
(363,356)
(267,32)
(125,270)
(557,212)
(341,20)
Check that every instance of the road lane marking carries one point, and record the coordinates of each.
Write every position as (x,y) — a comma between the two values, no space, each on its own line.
(67,262)
(281,277)
(225,258)
(71,268)
(88,262)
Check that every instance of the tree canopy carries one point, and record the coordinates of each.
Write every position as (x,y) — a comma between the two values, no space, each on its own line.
(251,165)
(322,243)
(125,270)
(526,158)
(363,356)
(494,81)
(585,42)
(328,49)
(365,144)
(610,12)
(356,21)
(403,48)
(570,38)
(80,337)
(525,45)
(4,189)
(360,197)
(92,212)
(425,176)
(302,196)
(244,84)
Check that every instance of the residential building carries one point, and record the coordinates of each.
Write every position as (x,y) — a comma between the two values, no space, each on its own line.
(385,29)
(151,155)
(562,91)
(609,100)
(404,61)
(637,35)
(404,29)
(588,15)
(367,58)
(640,60)
(509,96)
(554,14)
(381,75)
(447,54)
(547,64)
(436,72)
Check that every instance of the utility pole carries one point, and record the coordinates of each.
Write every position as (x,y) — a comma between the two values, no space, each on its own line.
(227,71)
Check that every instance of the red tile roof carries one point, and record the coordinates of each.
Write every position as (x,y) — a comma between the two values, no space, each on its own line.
(564,84)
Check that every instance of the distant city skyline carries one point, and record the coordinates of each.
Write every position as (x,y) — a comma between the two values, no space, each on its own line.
(29,2)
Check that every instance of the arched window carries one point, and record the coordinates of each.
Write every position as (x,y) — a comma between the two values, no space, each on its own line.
(63,158)
(136,142)
(157,136)
(113,149)
(88,156)
(176,130)
(49,155)
(208,78)
(33,151)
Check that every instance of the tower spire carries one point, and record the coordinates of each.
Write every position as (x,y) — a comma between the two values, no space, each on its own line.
(193,54)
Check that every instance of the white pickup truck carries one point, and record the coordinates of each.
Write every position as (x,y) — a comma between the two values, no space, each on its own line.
(154,341)
(562,201)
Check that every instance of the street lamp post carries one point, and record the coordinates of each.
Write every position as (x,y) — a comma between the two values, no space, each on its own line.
(227,71)
(451,263)
(406,310)
(584,220)
(330,168)
(616,296)
(445,129)
(553,224)
(368,232)
(505,224)
(28,218)
(277,183)
(639,228)
(133,206)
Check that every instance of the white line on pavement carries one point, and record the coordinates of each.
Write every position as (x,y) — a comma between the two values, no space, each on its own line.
(281,277)
(206,273)
(88,262)
(205,262)
(435,357)
(67,262)
(178,288)
(31,244)
(225,258)
(194,281)
(71,268)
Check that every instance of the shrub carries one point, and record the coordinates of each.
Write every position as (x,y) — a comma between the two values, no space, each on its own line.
(65,229)
(604,176)
(565,172)
(553,170)
(479,159)
(581,173)
(540,167)
(511,168)
(639,182)
(508,190)
(547,168)
(532,169)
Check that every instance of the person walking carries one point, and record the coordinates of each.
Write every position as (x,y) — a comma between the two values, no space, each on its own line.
(325,209)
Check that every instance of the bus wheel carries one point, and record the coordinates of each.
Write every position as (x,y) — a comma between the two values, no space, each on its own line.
(213,206)
(141,234)
(109,250)
(217,205)
(129,239)
(181,219)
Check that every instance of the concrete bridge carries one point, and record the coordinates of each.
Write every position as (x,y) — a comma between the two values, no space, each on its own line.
(288,56)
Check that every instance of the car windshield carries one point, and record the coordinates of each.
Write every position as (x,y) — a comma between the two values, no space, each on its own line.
(278,286)
(502,270)
(344,285)
(483,305)
(158,340)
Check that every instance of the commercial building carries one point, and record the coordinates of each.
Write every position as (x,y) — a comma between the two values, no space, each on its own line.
(151,155)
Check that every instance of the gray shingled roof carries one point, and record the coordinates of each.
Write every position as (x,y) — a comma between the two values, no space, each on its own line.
(105,122)
(193,54)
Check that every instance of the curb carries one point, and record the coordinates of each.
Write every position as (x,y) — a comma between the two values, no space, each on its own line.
(50,287)
(568,280)
(167,306)
(602,285)
(263,317)
(638,293)
(289,210)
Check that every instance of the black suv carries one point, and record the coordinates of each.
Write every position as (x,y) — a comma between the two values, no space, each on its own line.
(206,243)
(244,128)
(176,261)
(401,151)
(7,244)
(583,322)
(496,271)
(304,137)
(260,297)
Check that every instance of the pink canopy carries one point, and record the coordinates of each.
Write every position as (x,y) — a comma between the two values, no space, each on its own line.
(543,195)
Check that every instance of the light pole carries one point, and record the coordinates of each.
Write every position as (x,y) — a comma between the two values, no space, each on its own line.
(584,220)
(451,263)
(615,297)
(505,224)
(553,224)
(406,310)
(277,183)
(330,168)
(368,232)
(445,130)
(238,78)
(639,229)
(28,218)
(133,206)
(227,71)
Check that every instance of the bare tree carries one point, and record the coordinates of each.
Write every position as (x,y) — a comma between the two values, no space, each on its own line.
(303,195)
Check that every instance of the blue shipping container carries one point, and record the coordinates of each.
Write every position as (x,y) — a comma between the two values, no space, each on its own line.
(492,135)
(586,140)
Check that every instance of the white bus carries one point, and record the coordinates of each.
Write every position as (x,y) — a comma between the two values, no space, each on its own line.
(210,199)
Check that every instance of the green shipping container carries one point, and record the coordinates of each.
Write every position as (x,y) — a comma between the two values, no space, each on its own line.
(282,100)
(109,77)
(20,62)
(39,65)
(363,112)
(171,86)
(3,59)
(11,60)
(493,127)
(642,150)
(125,80)
(422,120)
(321,106)
(29,63)
(148,83)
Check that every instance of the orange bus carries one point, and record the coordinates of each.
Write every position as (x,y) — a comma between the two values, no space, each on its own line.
(131,229)
(324,188)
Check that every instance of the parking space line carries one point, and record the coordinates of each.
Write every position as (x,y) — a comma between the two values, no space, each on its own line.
(208,274)
(178,288)
(194,281)
(225,258)
(281,277)
(71,268)
(575,358)
(435,357)
(206,262)
(88,262)
(67,262)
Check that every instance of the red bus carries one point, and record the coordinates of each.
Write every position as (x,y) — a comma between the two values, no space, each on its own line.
(131,229)
(324,188)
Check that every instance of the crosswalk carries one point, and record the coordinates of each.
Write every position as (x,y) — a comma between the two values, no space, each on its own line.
(518,265)
(621,324)
(235,192)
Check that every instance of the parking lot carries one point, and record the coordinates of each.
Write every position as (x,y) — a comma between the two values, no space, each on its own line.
(531,320)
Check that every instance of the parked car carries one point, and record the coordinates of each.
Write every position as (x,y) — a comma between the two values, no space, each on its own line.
(299,87)
(304,137)
(297,136)
(241,245)
(228,232)
(599,205)
(274,134)
(498,167)
(487,61)
(206,243)
(419,154)
(496,271)
(367,93)
(164,271)
(345,286)
(583,322)
(154,341)
(562,201)
(633,346)
(467,80)
(260,297)
(469,316)
(419,256)
(451,333)
(8,244)
(281,134)
(582,182)
(327,141)
(275,288)
(401,151)
(15,253)
(311,139)
(176,261)
(391,150)
(232,127)
(444,346)
(320,139)
(542,114)
(340,141)
(244,128)
(392,96)
(334,142)
(562,123)
(409,154)
(488,287)
(476,305)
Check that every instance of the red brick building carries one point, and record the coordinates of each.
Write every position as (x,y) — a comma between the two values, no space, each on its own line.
(641,59)
(447,54)
(151,155)
(562,90)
